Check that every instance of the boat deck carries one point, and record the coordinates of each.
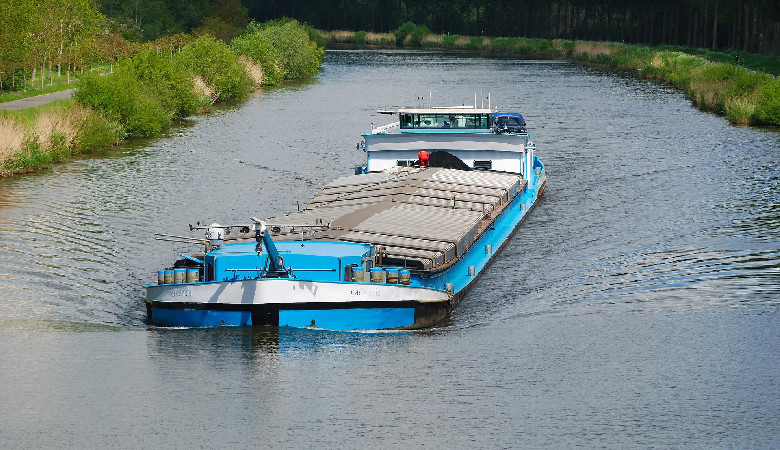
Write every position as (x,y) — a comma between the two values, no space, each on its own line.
(420,218)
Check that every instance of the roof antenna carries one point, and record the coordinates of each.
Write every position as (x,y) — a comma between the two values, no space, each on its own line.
(430,99)
(488,100)
(475,100)
(482,97)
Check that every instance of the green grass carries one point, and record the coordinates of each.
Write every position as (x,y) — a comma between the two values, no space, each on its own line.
(759,63)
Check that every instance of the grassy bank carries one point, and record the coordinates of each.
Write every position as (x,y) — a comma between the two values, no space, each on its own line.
(151,90)
(746,94)
(35,138)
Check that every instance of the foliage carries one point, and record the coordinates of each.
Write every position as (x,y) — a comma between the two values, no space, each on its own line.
(168,80)
(298,55)
(256,45)
(123,97)
(218,66)
(403,31)
(359,37)
(417,35)
(95,131)
(44,33)
(768,104)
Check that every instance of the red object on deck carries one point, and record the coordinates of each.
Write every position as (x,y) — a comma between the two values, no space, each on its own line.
(423,157)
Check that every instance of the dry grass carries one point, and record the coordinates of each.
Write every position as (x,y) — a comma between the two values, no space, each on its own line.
(594,48)
(63,121)
(204,90)
(253,69)
(462,41)
(341,36)
(55,128)
(11,138)
(380,38)
(432,40)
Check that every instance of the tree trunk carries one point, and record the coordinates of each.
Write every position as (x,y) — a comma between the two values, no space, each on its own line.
(705,26)
(624,25)
(558,20)
(745,45)
(663,26)
(715,27)
(755,30)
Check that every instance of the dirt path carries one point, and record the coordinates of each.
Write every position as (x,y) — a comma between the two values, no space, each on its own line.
(38,100)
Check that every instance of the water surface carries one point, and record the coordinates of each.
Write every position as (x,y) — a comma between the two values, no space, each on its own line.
(637,305)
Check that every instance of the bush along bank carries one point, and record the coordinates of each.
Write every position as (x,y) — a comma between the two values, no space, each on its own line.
(743,96)
(151,90)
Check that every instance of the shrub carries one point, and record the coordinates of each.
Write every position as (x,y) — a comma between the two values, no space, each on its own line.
(417,35)
(448,41)
(121,96)
(359,37)
(218,66)
(96,131)
(404,30)
(168,80)
(255,44)
(31,156)
(768,105)
(299,56)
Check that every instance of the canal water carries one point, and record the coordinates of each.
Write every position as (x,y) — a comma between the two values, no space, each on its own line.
(636,307)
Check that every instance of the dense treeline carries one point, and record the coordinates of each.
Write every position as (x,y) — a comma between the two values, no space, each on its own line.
(746,25)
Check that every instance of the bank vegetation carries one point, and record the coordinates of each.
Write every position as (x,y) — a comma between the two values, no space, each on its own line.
(148,91)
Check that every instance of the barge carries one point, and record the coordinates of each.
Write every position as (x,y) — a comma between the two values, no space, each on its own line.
(394,246)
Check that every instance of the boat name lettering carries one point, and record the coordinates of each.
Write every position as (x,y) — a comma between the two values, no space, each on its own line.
(366,292)
(181,293)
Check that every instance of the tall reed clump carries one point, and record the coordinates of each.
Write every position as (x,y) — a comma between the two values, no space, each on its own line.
(36,138)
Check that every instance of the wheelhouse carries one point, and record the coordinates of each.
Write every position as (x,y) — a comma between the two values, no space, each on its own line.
(446,118)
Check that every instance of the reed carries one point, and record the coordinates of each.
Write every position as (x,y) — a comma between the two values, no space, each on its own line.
(35,138)
(380,39)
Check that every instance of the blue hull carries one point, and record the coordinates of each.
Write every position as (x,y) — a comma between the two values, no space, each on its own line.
(339,319)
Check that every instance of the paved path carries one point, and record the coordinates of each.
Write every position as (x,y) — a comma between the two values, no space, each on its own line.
(38,100)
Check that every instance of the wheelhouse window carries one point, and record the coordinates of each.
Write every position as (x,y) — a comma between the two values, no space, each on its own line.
(483,165)
(445,121)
